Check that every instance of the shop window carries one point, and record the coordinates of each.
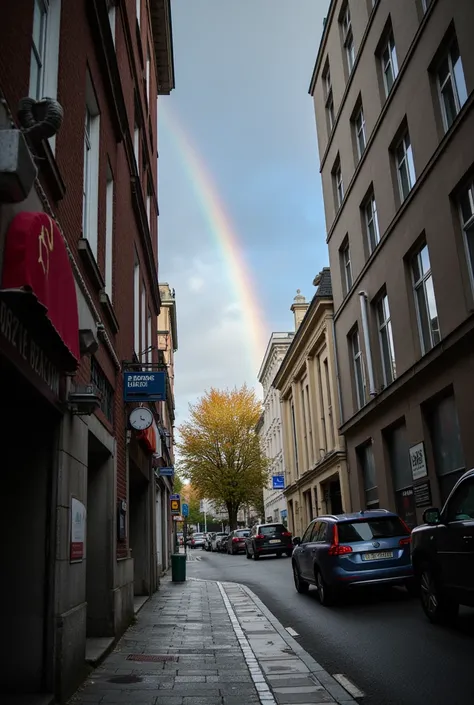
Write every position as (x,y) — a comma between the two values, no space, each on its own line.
(398,451)
(443,423)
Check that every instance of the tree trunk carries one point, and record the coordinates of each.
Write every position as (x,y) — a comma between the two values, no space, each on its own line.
(232,510)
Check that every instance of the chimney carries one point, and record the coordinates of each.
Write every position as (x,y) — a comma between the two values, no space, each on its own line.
(299,308)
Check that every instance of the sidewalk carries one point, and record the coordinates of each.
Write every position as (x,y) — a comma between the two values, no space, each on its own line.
(209,643)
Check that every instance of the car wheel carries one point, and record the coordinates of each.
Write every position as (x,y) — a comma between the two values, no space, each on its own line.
(437,606)
(325,593)
(255,556)
(301,585)
(247,554)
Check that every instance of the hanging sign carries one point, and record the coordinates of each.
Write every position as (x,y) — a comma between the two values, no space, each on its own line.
(175,502)
(144,386)
(78,531)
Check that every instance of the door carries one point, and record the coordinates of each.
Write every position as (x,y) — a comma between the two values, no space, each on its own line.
(455,538)
(303,550)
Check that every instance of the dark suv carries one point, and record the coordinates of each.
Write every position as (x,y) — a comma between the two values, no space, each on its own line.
(443,553)
(266,539)
(338,551)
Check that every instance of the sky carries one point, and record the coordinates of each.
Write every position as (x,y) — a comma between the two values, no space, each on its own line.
(241,224)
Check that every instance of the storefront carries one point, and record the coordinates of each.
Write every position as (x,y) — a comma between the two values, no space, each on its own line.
(39,348)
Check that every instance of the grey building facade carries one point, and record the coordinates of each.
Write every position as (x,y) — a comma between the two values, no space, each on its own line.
(393,90)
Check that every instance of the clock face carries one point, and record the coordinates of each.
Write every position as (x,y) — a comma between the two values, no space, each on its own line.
(141,418)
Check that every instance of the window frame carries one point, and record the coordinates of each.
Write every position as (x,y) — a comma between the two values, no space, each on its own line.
(468,225)
(348,38)
(384,326)
(451,76)
(370,204)
(360,131)
(346,266)
(416,284)
(109,231)
(358,357)
(408,162)
(338,184)
(91,167)
(389,45)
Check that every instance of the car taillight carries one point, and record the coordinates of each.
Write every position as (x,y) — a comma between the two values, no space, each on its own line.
(336,549)
(235,538)
(260,536)
(286,533)
(405,542)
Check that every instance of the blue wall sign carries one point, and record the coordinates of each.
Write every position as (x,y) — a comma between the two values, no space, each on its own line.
(175,496)
(278,482)
(185,510)
(144,386)
(166,472)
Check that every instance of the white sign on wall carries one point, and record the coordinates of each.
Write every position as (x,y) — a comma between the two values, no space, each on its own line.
(78,531)
(418,461)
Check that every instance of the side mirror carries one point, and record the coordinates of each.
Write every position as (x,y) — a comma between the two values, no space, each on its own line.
(432,516)
(296,541)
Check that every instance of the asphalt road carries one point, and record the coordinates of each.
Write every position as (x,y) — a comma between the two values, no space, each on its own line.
(381,641)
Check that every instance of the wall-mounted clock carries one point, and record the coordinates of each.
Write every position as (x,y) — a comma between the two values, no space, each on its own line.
(141,418)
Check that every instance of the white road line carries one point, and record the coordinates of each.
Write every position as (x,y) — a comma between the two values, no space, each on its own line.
(348,685)
(291,631)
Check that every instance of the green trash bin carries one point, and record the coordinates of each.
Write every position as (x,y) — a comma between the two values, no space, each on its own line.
(178,567)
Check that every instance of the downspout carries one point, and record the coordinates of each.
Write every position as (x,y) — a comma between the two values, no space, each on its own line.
(368,349)
(338,379)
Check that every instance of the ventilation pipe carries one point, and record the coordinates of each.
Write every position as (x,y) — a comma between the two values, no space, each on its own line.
(368,350)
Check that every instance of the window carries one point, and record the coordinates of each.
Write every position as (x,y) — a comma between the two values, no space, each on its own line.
(148,206)
(136,308)
(461,504)
(359,374)
(402,479)
(150,340)
(109,232)
(330,112)
(425,4)
(338,184)
(425,301)
(329,99)
(44,59)
(348,39)
(90,193)
(369,477)
(451,85)
(148,77)
(143,320)
(359,127)
(111,11)
(389,63)
(467,217)
(138,10)
(345,255)
(405,166)
(371,223)
(371,529)
(387,349)
(446,441)
(136,146)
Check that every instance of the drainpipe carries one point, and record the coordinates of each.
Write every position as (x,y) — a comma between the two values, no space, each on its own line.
(368,349)
(338,379)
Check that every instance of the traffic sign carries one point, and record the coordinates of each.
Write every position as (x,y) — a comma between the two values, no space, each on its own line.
(278,482)
(175,501)
(185,509)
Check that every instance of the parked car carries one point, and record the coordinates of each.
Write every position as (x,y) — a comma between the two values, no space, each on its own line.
(208,541)
(221,544)
(343,551)
(196,541)
(443,553)
(216,537)
(267,539)
(236,541)
(180,538)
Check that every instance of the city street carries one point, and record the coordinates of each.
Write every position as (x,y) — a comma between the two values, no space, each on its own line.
(381,642)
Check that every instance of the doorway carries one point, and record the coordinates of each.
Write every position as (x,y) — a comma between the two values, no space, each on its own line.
(28,437)
(98,540)
(140,530)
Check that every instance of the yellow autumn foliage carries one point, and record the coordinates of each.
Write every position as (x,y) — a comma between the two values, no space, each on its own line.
(219,450)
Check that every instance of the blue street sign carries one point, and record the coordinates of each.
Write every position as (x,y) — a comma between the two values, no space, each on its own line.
(278,482)
(175,496)
(144,386)
(166,472)
(185,510)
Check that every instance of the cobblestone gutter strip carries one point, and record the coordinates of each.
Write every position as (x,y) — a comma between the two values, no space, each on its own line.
(264,692)
(290,682)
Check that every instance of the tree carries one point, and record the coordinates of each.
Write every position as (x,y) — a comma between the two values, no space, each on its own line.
(220,451)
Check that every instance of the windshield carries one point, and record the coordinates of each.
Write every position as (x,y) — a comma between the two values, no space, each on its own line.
(272,530)
(198,536)
(380,528)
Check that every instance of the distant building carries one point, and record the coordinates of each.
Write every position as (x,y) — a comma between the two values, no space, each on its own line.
(393,90)
(316,469)
(269,427)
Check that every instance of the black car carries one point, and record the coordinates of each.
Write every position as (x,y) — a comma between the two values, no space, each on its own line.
(266,539)
(443,553)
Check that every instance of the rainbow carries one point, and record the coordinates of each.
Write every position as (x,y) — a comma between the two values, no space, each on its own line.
(223,233)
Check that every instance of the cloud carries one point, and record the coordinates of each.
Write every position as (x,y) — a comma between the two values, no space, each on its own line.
(195,284)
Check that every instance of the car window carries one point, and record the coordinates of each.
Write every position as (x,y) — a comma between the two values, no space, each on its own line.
(461,505)
(242,532)
(370,529)
(272,530)
(320,534)
(315,530)
(307,533)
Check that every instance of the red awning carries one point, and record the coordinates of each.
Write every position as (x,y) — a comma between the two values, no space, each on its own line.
(36,261)
(148,437)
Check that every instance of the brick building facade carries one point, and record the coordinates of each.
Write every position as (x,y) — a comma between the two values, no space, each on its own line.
(105,62)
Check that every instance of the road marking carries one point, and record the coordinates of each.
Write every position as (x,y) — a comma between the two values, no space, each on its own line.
(348,685)
(291,631)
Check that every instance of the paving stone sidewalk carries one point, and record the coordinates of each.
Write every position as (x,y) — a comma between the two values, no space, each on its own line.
(208,643)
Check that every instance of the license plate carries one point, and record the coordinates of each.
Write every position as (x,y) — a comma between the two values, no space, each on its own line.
(274,541)
(377,556)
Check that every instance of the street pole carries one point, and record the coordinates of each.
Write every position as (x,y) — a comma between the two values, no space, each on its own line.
(205,522)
